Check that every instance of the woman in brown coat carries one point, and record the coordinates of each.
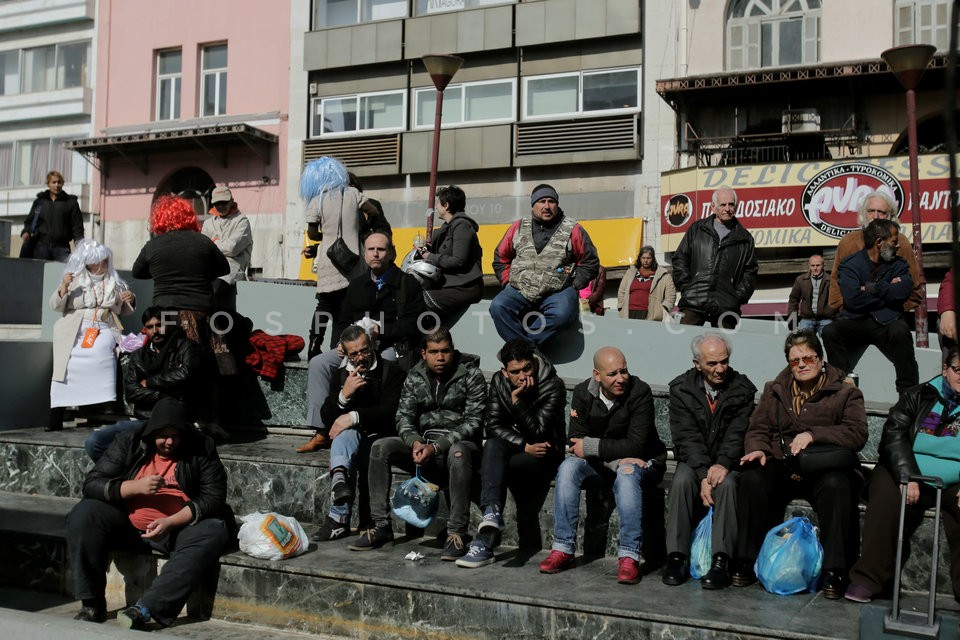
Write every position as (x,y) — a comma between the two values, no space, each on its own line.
(808,403)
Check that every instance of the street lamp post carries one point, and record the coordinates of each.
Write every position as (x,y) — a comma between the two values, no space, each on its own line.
(908,64)
(441,68)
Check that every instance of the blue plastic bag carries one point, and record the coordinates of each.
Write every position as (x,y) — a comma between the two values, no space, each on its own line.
(701,555)
(791,558)
(416,501)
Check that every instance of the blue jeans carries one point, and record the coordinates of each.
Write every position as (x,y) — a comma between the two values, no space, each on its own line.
(99,441)
(627,491)
(815,325)
(350,450)
(516,317)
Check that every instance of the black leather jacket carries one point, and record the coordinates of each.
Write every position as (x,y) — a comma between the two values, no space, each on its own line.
(900,429)
(715,276)
(701,437)
(199,473)
(172,372)
(539,416)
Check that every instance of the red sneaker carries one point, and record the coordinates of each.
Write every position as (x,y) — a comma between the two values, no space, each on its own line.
(629,571)
(556,562)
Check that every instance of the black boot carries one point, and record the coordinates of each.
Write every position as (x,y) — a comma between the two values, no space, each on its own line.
(55,421)
(719,575)
(743,574)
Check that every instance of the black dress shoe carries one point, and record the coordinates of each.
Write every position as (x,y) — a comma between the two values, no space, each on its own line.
(743,574)
(835,583)
(719,575)
(677,570)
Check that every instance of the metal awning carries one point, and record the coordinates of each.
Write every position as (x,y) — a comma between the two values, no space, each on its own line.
(864,77)
(137,144)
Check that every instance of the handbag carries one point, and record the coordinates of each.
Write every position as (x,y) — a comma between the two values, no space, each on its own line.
(416,501)
(339,252)
(817,457)
(701,553)
(791,558)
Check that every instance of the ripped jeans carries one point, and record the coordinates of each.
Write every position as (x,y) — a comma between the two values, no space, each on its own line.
(627,490)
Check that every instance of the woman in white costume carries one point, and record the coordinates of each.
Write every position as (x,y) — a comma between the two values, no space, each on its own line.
(91,297)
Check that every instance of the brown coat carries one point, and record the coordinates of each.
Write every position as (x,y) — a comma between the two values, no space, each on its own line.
(801,297)
(836,414)
(853,242)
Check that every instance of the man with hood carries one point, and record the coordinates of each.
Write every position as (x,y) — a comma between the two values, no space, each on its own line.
(161,488)
(715,267)
(439,424)
(613,442)
(230,231)
(710,406)
(54,221)
(542,262)
(525,441)
(166,366)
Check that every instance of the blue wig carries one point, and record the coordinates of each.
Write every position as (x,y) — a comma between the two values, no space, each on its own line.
(322,175)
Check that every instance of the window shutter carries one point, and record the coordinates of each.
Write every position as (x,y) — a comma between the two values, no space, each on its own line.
(811,39)
(735,50)
(753,45)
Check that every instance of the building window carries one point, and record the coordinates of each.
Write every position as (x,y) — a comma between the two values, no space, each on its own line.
(471,103)
(922,22)
(32,162)
(10,73)
(39,69)
(362,113)
(214,80)
(582,93)
(428,7)
(772,33)
(169,68)
(340,13)
(72,65)
(6,164)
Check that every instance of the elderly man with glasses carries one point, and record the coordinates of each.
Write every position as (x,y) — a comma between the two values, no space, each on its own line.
(361,407)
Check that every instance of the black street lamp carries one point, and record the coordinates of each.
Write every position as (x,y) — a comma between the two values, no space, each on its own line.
(908,63)
(442,68)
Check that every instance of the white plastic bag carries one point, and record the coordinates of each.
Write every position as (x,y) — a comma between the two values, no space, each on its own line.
(271,536)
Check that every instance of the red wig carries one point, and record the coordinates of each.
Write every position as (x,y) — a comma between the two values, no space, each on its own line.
(171,213)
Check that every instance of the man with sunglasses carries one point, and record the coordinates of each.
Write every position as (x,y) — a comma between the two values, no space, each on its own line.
(710,406)
(166,366)
(361,407)
(230,231)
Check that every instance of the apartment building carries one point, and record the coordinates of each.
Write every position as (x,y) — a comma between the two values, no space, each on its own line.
(47,65)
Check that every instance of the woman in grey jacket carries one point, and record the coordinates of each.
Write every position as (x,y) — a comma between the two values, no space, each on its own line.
(456,251)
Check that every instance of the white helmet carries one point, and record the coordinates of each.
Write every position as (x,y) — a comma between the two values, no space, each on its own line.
(427,274)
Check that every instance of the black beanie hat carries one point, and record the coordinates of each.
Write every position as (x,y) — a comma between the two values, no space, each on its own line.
(168,412)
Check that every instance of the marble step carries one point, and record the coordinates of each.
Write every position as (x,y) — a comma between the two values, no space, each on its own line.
(265,474)
(379,594)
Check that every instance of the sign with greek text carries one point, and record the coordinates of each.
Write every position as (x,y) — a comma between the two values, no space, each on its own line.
(807,203)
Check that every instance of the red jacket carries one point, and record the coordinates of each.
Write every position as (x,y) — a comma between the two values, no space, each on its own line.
(945,297)
(269,352)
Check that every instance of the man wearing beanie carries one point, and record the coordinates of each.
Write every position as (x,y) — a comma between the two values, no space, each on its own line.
(541,262)
(163,488)
(230,231)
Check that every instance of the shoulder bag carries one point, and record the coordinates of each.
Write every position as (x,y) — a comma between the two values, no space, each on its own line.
(339,253)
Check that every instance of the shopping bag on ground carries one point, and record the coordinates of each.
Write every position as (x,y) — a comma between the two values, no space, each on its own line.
(416,501)
(701,554)
(791,558)
(271,536)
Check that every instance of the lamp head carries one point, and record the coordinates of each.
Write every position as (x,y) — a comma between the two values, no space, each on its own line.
(908,62)
(442,68)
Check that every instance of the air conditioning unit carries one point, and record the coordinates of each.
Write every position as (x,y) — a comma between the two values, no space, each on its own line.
(800,121)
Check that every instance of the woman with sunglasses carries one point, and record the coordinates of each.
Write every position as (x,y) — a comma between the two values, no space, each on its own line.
(919,438)
(807,403)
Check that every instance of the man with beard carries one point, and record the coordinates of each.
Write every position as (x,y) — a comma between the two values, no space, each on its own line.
(166,366)
(710,405)
(361,407)
(439,422)
(875,283)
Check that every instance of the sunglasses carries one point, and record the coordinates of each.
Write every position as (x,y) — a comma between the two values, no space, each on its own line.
(808,359)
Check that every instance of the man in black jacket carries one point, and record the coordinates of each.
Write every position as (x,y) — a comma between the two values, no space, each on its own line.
(710,406)
(167,365)
(715,266)
(524,447)
(361,407)
(613,441)
(808,305)
(384,295)
(162,487)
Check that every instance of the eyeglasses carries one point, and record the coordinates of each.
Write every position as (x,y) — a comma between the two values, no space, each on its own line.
(955,368)
(360,353)
(807,359)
